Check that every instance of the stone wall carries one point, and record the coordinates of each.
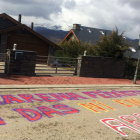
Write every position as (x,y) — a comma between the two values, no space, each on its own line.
(100,67)
(3,43)
(21,62)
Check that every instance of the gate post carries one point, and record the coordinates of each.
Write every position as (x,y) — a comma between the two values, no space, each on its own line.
(20,62)
(56,65)
(5,68)
(79,65)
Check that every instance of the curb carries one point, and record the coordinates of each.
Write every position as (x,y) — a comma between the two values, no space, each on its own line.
(65,86)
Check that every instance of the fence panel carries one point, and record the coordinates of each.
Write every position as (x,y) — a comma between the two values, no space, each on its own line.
(2,62)
(48,65)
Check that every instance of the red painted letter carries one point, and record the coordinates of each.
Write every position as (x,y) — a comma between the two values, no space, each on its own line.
(29,97)
(75,96)
(137,115)
(48,111)
(118,127)
(35,114)
(8,99)
(114,92)
(92,94)
(130,119)
(60,96)
(65,107)
(46,98)
(2,122)
(104,94)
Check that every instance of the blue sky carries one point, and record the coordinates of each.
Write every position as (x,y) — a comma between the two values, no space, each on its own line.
(104,14)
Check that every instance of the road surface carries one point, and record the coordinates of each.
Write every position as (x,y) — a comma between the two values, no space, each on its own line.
(70,114)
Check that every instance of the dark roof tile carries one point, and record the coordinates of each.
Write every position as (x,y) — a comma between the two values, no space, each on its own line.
(88,34)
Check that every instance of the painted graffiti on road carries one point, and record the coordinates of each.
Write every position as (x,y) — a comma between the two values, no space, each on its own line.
(95,106)
(118,127)
(2,122)
(129,102)
(34,115)
(111,94)
(50,97)
(100,106)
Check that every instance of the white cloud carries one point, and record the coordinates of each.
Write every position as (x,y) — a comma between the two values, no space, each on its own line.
(104,14)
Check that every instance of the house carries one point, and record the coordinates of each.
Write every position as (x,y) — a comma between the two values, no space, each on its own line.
(93,35)
(14,32)
(85,34)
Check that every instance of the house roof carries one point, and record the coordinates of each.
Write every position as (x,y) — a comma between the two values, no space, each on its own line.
(10,18)
(88,34)
(19,25)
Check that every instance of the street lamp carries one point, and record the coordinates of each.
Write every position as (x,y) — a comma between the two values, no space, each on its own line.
(136,72)
(137,67)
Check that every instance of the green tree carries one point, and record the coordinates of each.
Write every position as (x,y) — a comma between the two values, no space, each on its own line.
(74,49)
(111,45)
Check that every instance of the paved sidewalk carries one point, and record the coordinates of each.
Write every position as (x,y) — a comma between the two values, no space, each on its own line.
(64,87)
(61,80)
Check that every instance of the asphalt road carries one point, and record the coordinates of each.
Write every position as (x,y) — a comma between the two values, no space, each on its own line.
(70,114)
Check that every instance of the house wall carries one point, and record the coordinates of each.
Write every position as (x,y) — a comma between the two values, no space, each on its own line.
(28,42)
(3,43)
(6,23)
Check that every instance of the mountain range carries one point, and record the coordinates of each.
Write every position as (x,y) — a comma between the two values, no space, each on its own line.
(56,35)
(51,34)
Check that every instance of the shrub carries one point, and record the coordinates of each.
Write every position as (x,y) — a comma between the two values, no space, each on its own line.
(74,48)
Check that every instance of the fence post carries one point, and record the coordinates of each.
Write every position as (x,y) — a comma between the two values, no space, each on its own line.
(56,65)
(5,61)
(79,65)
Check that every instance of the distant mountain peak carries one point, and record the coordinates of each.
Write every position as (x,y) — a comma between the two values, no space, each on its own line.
(55,35)
(65,27)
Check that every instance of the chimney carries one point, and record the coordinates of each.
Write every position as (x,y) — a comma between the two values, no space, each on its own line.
(19,18)
(139,41)
(32,25)
(76,26)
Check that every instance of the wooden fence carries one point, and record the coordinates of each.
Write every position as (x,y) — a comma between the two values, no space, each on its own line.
(3,63)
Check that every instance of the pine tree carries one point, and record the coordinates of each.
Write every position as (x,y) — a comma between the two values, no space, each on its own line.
(111,46)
